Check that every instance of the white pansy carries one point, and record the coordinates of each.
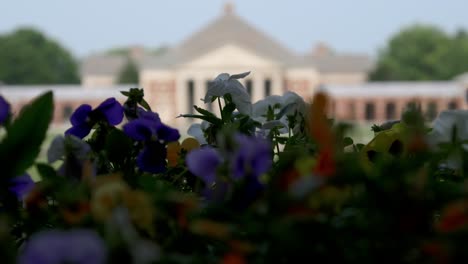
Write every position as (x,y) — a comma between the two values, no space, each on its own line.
(444,124)
(62,145)
(286,104)
(56,149)
(224,84)
(442,132)
(196,131)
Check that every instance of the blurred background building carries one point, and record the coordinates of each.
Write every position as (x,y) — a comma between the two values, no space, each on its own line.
(174,79)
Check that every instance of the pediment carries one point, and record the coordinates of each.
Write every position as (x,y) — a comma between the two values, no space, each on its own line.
(230,55)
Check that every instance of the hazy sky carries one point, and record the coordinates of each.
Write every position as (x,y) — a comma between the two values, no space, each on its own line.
(86,26)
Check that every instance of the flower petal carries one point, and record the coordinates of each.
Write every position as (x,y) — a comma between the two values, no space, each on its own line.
(152,158)
(166,133)
(196,131)
(56,149)
(112,110)
(5,109)
(53,246)
(224,84)
(203,163)
(252,158)
(139,129)
(80,115)
(239,75)
(79,131)
(151,116)
(21,185)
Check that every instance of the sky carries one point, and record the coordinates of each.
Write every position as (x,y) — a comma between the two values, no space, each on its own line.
(361,26)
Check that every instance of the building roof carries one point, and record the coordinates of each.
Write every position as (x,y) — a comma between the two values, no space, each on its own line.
(20,93)
(102,64)
(396,89)
(229,28)
(339,63)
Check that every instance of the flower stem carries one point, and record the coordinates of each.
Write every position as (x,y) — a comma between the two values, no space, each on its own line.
(220,109)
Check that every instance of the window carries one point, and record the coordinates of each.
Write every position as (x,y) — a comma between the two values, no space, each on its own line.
(191,95)
(370,111)
(248,86)
(452,105)
(267,87)
(390,111)
(209,105)
(431,113)
(67,112)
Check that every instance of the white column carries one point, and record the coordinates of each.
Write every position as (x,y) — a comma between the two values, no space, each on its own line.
(258,87)
(277,84)
(181,91)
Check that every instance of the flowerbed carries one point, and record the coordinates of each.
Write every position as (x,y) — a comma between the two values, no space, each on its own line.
(270,182)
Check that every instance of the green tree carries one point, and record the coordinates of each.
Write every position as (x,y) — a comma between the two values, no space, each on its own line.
(29,57)
(129,73)
(422,52)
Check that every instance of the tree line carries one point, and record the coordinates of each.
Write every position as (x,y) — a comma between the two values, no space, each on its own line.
(27,56)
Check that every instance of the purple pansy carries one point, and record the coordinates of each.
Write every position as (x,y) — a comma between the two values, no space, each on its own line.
(56,247)
(203,162)
(21,186)
(149,129)
(84,117)
(253,158)
(5,109)
(247,162)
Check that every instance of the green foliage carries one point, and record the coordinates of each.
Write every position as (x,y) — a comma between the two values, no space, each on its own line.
(129,73)
(422,52)
(320,196)
(29,57)
(29,129)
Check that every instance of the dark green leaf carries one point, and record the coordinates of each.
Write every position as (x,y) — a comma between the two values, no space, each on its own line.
(118,146)
(145,104)
(24,137)
(347,141)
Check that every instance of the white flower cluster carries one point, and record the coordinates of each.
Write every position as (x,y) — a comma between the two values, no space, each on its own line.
(284,105)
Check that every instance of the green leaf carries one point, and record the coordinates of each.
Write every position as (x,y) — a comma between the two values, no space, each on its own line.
(118,146)
(24,138)
(347,141)
(125,93)
(228,109)
(145,104)
(46,171)
(212,119)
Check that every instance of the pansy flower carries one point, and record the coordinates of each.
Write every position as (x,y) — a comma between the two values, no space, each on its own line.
(5,109)
(248,162)
(77,246)
(84,117)
(75,155)
(229,84)
(21,186)
(149,129)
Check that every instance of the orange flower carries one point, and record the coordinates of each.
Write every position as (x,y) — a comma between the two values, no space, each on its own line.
(76,214)
(233,258)
(323,135)
(454,217)
(174,149)
(325,163)
(319,127)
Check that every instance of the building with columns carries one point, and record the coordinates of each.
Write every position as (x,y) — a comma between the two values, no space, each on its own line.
(177,79)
